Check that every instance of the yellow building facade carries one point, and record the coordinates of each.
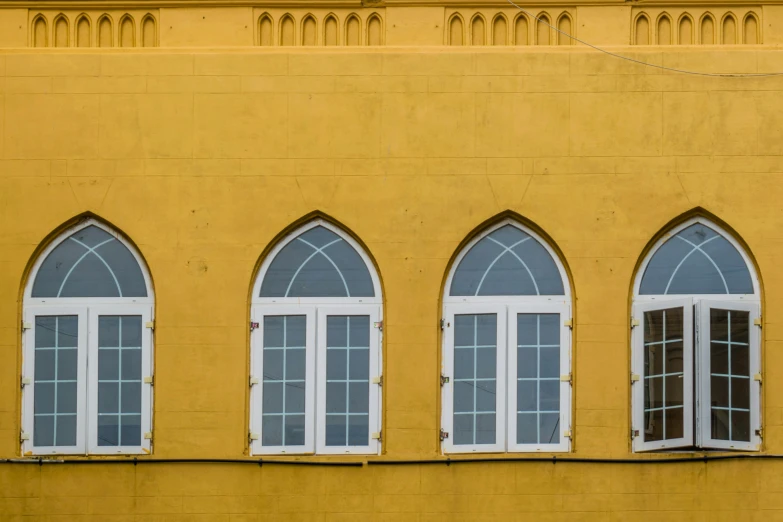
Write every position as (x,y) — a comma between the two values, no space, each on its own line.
(205,133)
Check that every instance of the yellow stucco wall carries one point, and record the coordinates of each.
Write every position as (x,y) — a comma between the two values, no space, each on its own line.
(202,156)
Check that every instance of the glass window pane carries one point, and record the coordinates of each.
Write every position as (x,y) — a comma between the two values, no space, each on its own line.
(108,430)
(507,262)
(284,373)
(130,430)
(697,260)
(54,378)
(359,397)
(360,364)
(336,397)
(336,434)
(90,263)
(527,428)
(730,374)
(663,374)
(317,263)
(550,424)
(485,428)
(359,430)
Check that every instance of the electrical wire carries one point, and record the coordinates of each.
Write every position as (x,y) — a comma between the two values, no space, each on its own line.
(640,62)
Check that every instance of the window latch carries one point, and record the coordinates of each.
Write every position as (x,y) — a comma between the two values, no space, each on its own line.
(443,434)
(443,380)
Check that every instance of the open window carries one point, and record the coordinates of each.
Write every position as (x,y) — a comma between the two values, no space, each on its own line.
(316,323)
(696,380)
(87,347)
(506,382)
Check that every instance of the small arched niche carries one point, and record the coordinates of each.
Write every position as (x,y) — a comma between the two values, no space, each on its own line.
(642,30)
(729,30)
(127,37)
(83,31)
(61,31)
(685,30)
(565,28)
(149,31)
(374,30)
(478,30)
(750,31)
(663,31)
(500,30)
(265,31)
(105,36)
(707,32)
(353,30)
(521,30)
(331,31)
(287,27)
(40,32)
(309,30)
(456,30)
(543,30)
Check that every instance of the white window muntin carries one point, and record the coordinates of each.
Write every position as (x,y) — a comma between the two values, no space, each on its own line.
(29,375)
(374,400)
(638,369)
(674,231)
(257,379)
(563,311)
(703,374)
(93,385)
(447,391)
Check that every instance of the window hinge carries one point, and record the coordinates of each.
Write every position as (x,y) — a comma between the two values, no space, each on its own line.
(26,325)
(149,380)
(634,434)
(634,322)
(443,434)
(758,433)
(24,381)
(253,381)
(567,434)
(253,326)
(378,380)
(23,436)
(443,379)
(442,324)
(757,377)
(566,378)
(148,436)
(569,323)
(150,325)
(757,321)
(377,436)
(634,377)
(378,325)
(251,437)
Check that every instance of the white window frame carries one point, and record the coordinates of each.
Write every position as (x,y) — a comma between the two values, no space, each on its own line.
(66,306)
(146,378)
(563,310)
(260,306)
(447,392)
(531,304)
(373,446)
(749,302)
(28,377)
(703,375)
(257,379)
(638,370)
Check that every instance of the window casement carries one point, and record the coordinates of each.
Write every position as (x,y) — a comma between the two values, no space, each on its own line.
(87,347)
(696,344)
(506,381)
(316,321)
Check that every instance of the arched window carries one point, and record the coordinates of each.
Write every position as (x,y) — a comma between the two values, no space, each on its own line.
(696,343)
(316,346)
(507,346)
(87,340)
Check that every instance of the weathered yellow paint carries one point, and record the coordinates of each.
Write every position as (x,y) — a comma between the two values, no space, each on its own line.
(203,155)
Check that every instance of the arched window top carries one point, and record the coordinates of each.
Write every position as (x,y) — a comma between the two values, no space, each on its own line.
(318,260)
(91,261)
(507,261)
(697,258)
